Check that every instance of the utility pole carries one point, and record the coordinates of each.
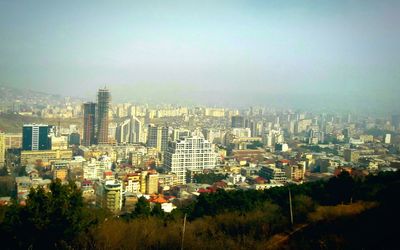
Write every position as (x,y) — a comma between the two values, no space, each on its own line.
(290,205)
(183,231)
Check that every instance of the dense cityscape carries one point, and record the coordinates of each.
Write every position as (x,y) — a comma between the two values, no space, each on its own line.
(119,155)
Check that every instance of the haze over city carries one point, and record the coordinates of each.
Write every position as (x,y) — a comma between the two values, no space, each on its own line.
(333,54)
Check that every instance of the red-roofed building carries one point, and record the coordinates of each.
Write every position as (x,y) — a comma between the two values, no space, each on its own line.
(108,175)
(260,180)
(166,206)
(282,163)
(204,190)
(87,183)
(157,199)
(219,184)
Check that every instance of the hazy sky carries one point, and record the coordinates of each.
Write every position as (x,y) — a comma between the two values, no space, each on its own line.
(296,53)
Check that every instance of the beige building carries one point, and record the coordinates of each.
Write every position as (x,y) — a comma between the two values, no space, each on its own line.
(367,138)
(44,157)
(59,142)
(152,183)
(167,180)
(2,149)
(13,140)
(145,182)
(61,174)
(109,195)
(98,151)
(295,172)
(149,182)
(215,112)
(351,155)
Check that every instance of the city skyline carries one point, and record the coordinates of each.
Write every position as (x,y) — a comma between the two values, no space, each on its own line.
(293,54)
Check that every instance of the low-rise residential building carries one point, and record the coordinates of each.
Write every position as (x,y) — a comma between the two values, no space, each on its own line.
(44,157)
(295,172)
(109,195)
(94,169)
(273,174)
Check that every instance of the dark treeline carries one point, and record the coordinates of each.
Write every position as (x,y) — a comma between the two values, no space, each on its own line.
(208,178)
(337,213)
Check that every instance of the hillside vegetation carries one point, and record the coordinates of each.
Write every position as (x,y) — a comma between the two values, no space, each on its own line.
(340,213)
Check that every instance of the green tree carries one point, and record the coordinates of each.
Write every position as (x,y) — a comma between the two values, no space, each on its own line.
(20,171)
(302,206)
(142,208)
(3,171)
(340,188)
(157,210)
(209,178)
(255,145)
(50,219)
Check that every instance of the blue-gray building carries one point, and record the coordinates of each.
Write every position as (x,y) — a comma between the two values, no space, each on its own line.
(36,137)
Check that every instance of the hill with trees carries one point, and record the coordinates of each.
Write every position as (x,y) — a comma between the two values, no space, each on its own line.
(339,213)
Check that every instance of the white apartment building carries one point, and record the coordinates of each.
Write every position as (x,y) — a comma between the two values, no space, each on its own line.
(191,153)
(132,186)
(94,169)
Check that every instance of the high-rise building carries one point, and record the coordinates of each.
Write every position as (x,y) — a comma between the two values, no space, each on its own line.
(396,121)
(237,121)
(89,123)
(103,107)
(157,137)
(253,128)
(36,137)
(123,131)
(347,133)
(129,131)
(388,138)
(2,148)
(136,130)
(315,136)
(192,153)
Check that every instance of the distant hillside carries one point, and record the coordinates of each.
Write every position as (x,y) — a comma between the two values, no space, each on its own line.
(27,98)
(13,91)
(12,123)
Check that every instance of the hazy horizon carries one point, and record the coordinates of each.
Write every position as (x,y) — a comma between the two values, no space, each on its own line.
(342,54)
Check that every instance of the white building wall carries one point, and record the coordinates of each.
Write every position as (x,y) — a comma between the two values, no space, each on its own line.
(194,153)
